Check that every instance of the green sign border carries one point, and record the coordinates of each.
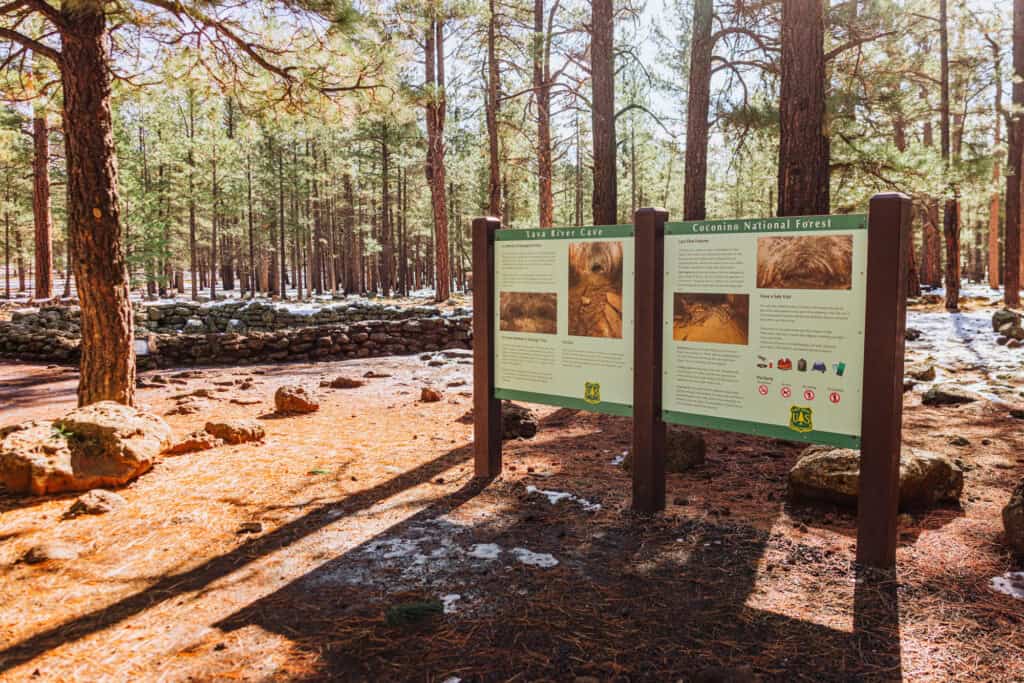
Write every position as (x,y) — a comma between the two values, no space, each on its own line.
(852,221)
(618,409)
(582,233)
(760,429)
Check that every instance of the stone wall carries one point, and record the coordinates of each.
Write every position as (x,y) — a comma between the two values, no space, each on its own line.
(228,316)
(358,339)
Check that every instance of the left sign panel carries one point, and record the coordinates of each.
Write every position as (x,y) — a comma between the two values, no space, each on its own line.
(564,317)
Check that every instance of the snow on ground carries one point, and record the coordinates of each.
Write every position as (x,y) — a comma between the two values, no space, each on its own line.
(1010,583)
(543,560)
(555,497)
(957,342)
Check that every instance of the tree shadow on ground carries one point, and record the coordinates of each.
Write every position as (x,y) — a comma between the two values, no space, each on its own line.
(634,598)
(197,578)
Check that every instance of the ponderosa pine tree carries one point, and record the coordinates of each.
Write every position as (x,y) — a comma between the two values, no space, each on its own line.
(435,167)
(697,102)
(604,203)
(803,183)
(41,207)
(1015,165)
(76,37)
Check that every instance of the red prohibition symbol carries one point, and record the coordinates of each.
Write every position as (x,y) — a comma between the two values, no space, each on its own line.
(762,389)
(786,392)
(835,397)
(809,394)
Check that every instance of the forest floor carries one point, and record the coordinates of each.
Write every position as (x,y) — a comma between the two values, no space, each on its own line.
(368,505)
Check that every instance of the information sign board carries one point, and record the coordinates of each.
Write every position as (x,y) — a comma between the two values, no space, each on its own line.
(563,317)
(764,326)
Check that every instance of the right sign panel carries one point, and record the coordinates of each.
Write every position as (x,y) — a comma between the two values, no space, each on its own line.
(764,326)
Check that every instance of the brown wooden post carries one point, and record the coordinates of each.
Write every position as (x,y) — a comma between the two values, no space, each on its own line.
(648,428)
(486,409)
(882,412)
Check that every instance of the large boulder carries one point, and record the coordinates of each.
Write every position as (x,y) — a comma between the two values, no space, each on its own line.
(236,431)
(947,395)
(102,445)
(1005,317)
(1013,520)
(833,475)
(295,399)
(95,502)
(518,422)
(684,450)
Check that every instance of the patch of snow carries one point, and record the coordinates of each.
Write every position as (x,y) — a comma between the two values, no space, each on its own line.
(452,679)
(1010,583)
(485,551)
(954,341)
(555,497)
(543,560)
(619,459)
(449,602)
(391,548)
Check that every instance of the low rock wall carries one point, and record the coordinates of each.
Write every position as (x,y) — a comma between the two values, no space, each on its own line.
(339,341)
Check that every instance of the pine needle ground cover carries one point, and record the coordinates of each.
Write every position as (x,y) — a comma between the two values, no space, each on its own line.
(352,544)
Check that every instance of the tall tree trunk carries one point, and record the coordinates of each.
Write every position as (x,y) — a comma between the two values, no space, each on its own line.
(192,246)
(281,261)
(951,212)
(542,95)
(491,115)
(19,254)
(435,154)
(803,144)
(352,277)
(107,353)
(1015,165)
(578,177)
(387,247)
(41,208)
(697,104)
(214,219)
(253,281)
(605,200)
(993,208)
(7,255)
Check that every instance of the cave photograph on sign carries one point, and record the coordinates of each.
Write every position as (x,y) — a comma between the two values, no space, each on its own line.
(595,289)
(711,318)
(529,312)
(805,262)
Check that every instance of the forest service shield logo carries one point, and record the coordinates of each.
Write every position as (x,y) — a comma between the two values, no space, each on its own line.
(801,419)
(592,392)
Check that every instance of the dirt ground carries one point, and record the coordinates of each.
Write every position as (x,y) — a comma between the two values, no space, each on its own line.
(369,504)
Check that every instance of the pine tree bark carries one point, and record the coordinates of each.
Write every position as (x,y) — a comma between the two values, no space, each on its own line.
(107,352)
(1015,166)
(214,219)
(387,247)
(994,272)
(281,258)
(491,115)
(605,199)
(951,212)
(435,167)
(542,96)
(41,209)
(804,152)
(352,276)
(697,104)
